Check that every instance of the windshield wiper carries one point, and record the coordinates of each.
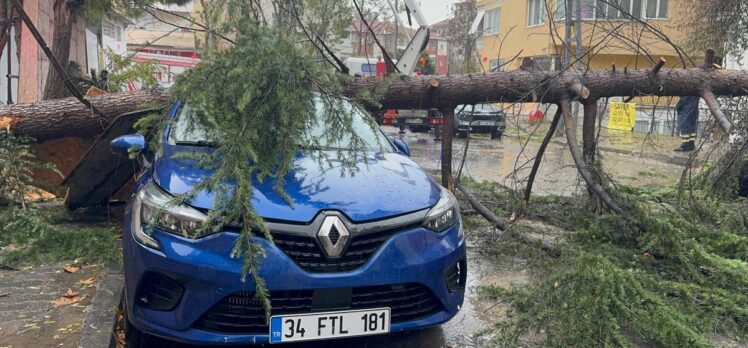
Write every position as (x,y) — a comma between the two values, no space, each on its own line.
(201,143)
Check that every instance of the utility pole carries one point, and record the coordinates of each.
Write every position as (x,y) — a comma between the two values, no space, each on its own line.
(580,52)
(568,21)
(397,26)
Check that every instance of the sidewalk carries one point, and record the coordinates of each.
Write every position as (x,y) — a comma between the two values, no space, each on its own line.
(34,311)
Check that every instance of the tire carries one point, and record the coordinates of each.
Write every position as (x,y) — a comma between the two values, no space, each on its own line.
(461,134)
(496,134)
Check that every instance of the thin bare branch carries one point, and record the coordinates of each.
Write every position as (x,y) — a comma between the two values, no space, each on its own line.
(584,171)
(713,104)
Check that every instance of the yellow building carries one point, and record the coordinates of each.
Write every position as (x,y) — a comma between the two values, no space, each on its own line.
(628,34)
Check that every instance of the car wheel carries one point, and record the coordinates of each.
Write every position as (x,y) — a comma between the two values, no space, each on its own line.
(496,134)
(134,338)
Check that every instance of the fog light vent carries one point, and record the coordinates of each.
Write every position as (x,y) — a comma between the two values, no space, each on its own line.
(456,276)
(158,292)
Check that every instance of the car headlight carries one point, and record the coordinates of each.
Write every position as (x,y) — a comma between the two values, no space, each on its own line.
(444,214)
(153,209)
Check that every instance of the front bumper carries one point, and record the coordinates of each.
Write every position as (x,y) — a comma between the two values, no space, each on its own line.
(480,126)
(208,274)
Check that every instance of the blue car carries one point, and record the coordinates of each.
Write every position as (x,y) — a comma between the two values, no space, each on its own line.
(381,251)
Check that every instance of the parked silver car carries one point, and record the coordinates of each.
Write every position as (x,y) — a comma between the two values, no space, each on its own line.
(480,118)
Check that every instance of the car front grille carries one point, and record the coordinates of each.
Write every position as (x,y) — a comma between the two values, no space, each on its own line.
(306,252)
(242,312)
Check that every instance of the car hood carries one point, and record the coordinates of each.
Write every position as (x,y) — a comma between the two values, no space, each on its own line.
(389,185)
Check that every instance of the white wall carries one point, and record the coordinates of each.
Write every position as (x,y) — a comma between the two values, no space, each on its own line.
(13,70)
(92,51)
(113,35)
(735,63)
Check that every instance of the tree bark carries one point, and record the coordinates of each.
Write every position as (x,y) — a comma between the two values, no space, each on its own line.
(67,117)
(518,86)
(592,183)
(65,11)
(588,132)
(539,158)
(447,133)
(418,92)
(3,13)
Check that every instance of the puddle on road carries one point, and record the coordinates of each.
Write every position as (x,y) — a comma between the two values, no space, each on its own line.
(509,163)
(477,315)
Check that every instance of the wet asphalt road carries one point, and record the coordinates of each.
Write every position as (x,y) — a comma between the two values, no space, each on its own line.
(503,161)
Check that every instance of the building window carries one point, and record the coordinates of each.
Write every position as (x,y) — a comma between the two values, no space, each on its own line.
(496,65)
(615,9)
(535,12)
(656,8)
(589,9)
(368,68)
(619,9)
(609,9)
(491,22)
(548,63)
(108,29)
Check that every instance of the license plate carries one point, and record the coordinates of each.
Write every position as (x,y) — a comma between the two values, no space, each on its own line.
(414,121)
(315,326)
(483,123)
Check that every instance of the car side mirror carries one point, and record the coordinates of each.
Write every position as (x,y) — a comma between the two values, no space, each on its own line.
(402,146)
(126,142)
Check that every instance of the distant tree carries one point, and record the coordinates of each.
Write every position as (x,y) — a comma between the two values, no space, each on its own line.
(462,58)
(718,24)
(65,12)
(375,14)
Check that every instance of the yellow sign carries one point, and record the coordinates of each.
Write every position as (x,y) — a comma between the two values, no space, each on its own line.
(622,116)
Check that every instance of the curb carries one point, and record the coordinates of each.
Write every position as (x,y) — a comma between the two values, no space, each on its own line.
(102,315)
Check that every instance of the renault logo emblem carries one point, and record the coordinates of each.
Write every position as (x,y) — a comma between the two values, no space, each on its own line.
(333,235)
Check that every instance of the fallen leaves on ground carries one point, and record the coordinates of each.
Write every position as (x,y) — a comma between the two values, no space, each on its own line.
(71,268)
(69,328)
(69,297)
(82,284)
(70,293)
(119,331)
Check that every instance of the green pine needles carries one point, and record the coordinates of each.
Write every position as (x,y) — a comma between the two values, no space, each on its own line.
(672,274)
(260,104)
(17,163)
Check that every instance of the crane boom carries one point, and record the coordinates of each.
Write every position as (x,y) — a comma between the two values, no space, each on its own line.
(407,63)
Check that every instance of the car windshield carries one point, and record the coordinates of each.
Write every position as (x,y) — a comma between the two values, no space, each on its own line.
(478,108)
(186,132)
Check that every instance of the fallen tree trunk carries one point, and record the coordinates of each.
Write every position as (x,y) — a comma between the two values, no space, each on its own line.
(550,87)
(68,117)
(65,117)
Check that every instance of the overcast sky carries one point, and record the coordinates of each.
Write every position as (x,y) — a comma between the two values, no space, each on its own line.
(433,10)
(436,10)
